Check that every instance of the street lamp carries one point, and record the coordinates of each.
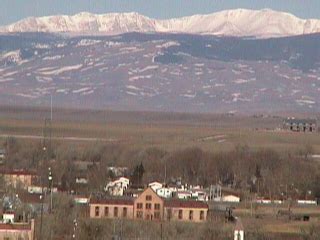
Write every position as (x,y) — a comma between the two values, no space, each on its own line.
(50,179)
(75,225)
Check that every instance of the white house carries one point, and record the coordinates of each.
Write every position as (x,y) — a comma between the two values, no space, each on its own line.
(117,187)
(198,194)
(307,202)
(81,200)
(155,186)
(183,194)
(238,231)
(230,198)
(164,192)
(2,154)
(8,217)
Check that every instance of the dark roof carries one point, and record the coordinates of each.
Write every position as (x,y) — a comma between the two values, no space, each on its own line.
(176,203)
(30,198)
(18,172)
(300,121)
(2,151)
(15,226)
(113,201)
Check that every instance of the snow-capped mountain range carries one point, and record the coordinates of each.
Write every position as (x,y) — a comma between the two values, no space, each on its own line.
(239,22)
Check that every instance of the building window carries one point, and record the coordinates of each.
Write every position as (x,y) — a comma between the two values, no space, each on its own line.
(191,215)
(148,205)
(148,198)
(180,215)
(96,211)
(124,212)
(157,215)
(169,214)
(115,212)
(201,215)
(106,211)
(139,205)
(139,214)
(157,206)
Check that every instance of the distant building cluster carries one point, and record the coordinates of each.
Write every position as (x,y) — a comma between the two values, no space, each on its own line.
(300,125)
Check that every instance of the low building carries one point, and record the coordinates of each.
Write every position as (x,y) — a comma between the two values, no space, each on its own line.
(190,211)
(149,206)
(165,192)
(300,125)
(8,217)
(17,231)
(19,178)
(230,198)
(35,202)
(183,194)
(111,208)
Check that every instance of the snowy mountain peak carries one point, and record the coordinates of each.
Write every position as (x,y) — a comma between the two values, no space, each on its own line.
(235,22)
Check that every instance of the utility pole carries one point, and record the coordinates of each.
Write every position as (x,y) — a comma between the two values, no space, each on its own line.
(51,107)
(41,214)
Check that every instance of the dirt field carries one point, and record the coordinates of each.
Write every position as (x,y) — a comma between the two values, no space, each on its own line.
(170,131)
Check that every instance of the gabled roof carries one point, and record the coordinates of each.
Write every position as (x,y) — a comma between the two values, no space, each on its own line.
(149,189)
(30,198)
(175,203)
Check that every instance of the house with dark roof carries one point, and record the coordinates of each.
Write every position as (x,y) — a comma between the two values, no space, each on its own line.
(149,206)
(17,231)
(19,177)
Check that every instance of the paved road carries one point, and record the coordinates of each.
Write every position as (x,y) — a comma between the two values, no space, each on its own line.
(60,138)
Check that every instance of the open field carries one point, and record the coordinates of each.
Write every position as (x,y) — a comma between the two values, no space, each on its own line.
(170,131)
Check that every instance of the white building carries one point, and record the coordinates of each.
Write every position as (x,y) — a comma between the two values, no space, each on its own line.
(2,154)
(231,198)
(199,194)
(8,217)
(164,192)
(155,186)
(117,187)
(183,194)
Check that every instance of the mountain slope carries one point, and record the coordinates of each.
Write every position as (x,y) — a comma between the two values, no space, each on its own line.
(240,22)
(161,72)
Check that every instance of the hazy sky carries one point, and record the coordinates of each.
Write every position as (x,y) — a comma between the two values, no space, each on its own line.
(13,10)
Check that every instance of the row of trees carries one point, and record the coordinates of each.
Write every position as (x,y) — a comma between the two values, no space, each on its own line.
(264,171)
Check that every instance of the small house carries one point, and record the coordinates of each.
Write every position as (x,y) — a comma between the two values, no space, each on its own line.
(155,185)
(164,192)
(117,187)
